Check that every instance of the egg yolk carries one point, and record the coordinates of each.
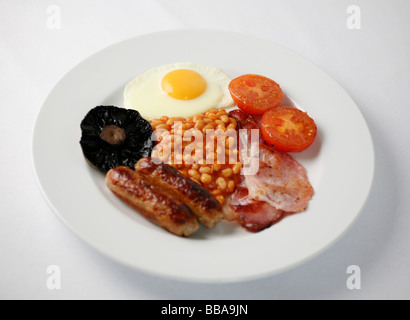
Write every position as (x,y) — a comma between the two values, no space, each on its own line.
(183,84)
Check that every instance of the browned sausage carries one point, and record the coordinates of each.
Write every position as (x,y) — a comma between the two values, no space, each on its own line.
(153,203)
(203,204)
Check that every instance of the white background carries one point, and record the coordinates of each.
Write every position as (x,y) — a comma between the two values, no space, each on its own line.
(372,64)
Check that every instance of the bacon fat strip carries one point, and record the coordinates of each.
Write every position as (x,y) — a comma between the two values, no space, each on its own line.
(251,214)
(203,204)
(150,201)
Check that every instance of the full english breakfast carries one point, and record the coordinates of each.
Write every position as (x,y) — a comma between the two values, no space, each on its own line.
(176,155)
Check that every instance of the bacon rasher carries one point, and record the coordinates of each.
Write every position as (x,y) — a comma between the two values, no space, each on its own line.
(278,188)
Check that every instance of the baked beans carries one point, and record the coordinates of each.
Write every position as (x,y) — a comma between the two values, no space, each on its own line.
(209,158)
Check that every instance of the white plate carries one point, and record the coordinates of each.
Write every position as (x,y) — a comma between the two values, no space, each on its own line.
(340,163)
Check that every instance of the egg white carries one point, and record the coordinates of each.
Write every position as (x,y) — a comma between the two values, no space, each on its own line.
(145,93)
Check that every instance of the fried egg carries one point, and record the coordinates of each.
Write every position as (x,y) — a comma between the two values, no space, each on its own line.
(178,90)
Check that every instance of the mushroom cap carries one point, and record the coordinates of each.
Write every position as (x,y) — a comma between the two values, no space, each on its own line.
(138,142)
